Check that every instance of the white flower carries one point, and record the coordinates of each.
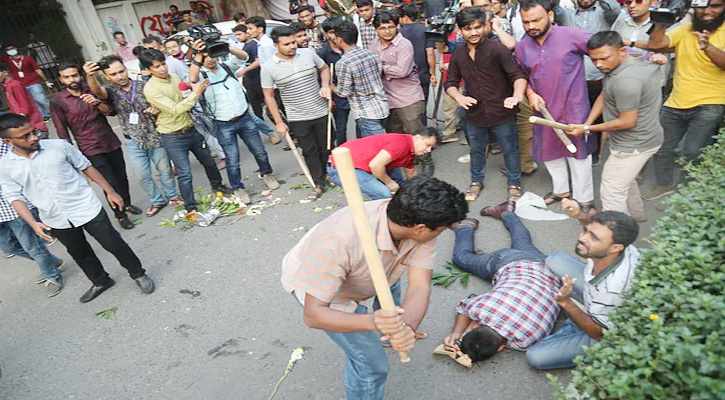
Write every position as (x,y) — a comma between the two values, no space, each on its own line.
(296,355)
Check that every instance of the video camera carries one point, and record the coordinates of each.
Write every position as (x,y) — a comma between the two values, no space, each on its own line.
(441,25)
(210,35)
(294,6)
(671,11)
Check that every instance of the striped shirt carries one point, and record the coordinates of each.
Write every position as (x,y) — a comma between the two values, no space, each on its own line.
(329,264)
(603,292)
(359,79)
(521,305)
(298,85)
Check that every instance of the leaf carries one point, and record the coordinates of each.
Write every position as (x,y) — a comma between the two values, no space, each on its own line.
(464,280)
(137,221)
(107,314)
(263,229)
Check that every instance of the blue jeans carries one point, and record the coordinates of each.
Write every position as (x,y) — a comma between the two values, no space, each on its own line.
(698,124)
(261,125)
(141,160)
(17,237)
(486,265)
(178,145)
(341,118)
(245,128)
(38,94)
(369,127)
(507,139)
(366,363)
(369,185)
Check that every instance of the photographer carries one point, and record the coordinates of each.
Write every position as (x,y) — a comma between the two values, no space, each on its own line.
(226,102)
(697,102)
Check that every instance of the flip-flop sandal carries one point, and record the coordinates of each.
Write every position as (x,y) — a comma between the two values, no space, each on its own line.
(551,198)
(472,194)
(316,193)
(154,210)
(518,194)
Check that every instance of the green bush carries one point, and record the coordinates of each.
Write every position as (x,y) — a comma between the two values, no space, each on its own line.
(669,337)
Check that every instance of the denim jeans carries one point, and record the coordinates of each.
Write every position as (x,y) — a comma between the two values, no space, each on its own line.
(261,125)
(341,118)
(141,160)
(17,237)
(369,185)
(486,265)
(245,128)
(366,362)
(38,94)
(563,264)
(698,125)
(369,127)
(178,145)
(507,139)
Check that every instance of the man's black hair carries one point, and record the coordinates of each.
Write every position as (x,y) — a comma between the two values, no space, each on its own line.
(605,38)
(363,3)
(298,26)
(347,31)
(427,201)
(148,56)
(411,11)
(384,17)
(6,45)
(3,67)
(152,39)
(108,60)
(185,12)
(281,31)
(174,6)
(11,121)
(306,7)
(527,5)
(239,28)
(624,228)
(239,15)
(331,24)
(66,65)
(172,39)
(481,343)
(119,33)
(469,15)
(429,131)
(137,50)
(257,21)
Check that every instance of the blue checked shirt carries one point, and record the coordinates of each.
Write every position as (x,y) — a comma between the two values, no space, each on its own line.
(359,79)
(7,212)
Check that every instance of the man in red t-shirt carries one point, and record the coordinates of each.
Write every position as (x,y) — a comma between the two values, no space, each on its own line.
(378,159)
(20,102)
(26,71)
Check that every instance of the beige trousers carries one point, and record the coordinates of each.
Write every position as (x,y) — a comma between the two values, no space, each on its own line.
(619,189)
(450,115)
(525,133)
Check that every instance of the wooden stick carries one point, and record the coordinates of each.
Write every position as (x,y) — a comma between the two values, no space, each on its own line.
(551,124)
(351,187)
(437,102)
(298,157)
(329,112)
(559,129)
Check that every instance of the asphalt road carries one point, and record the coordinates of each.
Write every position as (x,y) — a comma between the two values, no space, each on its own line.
(220,326)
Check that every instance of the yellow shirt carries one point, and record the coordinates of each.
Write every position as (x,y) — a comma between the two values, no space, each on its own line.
(164,95)
(697,79)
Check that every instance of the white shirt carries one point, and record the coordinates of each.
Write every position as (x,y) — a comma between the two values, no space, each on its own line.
(603,293)
(52,181)
(265,49)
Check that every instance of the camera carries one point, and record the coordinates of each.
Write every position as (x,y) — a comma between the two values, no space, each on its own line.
(294,5)
(441,25)
(671,11)
(102,65)
(210,35)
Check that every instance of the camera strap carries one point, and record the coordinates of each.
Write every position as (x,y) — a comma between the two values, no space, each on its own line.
(226,69)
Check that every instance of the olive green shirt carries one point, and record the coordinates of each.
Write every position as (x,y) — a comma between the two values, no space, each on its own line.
(165,96)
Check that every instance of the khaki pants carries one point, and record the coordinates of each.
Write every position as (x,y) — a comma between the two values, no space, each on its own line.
(525,132)
(407,119)
(619,189)
(450,115)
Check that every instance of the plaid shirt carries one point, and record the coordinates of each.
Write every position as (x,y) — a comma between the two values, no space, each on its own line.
(7,212)
(359,79)
(521,305)
(368,34)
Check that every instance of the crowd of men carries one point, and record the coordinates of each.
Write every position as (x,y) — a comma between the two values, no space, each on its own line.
(605,69)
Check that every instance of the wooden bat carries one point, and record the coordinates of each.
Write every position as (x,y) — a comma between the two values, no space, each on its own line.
(558,128)
(351,187)
(298,157)
(551,124)
(437,103)
(329,111)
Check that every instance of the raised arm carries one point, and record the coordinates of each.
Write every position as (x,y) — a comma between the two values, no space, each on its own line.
(91,69)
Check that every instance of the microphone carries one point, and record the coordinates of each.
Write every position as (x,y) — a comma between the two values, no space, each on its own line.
(183,86)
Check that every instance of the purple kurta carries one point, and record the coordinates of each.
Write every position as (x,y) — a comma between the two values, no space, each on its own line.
(556,73)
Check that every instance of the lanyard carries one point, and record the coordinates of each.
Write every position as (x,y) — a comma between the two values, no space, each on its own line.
(19,65)
(131,99)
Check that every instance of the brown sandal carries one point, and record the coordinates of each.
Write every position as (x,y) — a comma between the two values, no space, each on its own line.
(551,198)
(154,210)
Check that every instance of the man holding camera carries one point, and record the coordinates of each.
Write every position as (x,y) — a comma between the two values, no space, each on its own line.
(226,101)
(695,107)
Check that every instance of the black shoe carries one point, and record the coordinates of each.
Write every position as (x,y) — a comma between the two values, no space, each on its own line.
(95,291)
(133,209)
(146,284)
(223,188)
(126,222)
(595,159)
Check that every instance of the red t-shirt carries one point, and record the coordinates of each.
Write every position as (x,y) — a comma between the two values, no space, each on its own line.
(398,145)
(26,65)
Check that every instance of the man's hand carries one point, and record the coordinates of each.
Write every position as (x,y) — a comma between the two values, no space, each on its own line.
(658,58)
(450,341)
(151,111)
(567,285)
(577,131)
(41,229)
(200,86)
(49,84)
(326,92)
(466,102)
(116,201)
(703,39)
(393,186)
(198,45)
(433,80)
(282,128)
(571,206)
(391,325)
(90,99)
(536,101)
(496,24)
(513,101)
(240,73)
(626,42)
(91,68)
(444,67)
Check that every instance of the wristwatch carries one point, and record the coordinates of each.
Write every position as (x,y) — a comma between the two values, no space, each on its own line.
(587,132)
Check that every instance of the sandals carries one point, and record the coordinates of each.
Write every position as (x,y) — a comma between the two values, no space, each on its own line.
(126,223)
(316,193)
(472,194)
(551,198)
(176,201)
(133,209)
(154,210)
(587,208)
(516,195)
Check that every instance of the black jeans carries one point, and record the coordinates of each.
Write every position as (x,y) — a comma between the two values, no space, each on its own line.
(100,228)
(312,136)
(113,168)
(255,96)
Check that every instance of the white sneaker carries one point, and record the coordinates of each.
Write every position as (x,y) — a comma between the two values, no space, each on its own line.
(243,196)
(464,159)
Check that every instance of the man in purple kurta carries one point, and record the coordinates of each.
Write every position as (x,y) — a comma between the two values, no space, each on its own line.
(553,57)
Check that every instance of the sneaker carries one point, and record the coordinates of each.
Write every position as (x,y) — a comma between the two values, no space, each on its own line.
(270,182)
(54,285)
(449,138)
(52,242)
(243,196)
(9,255)
(59,264)
(145,284)
(274,138)
(658,191)
(464,159)
(596,159)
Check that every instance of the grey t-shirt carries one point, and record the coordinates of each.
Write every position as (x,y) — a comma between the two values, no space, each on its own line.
(631,87)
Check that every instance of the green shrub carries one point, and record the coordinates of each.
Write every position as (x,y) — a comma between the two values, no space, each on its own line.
(669,336)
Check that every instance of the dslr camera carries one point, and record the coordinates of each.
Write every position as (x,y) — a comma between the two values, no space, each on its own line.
(441,25)
(211,36)
(671,11)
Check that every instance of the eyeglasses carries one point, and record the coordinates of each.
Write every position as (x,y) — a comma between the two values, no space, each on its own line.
(628,2)
(387,28)
(35,133)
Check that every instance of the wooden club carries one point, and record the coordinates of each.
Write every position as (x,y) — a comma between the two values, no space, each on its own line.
(298,157)
(329,111)
(559,128)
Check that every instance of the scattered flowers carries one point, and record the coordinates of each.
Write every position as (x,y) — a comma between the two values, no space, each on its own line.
(654,317)
(296,356)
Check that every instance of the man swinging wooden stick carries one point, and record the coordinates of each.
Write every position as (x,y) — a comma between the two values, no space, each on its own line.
(328,274)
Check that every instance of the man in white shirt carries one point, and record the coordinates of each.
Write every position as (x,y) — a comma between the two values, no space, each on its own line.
(174,65)
(52,175)
(256,27)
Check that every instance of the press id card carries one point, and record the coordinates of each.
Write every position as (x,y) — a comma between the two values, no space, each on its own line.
(21,74)
(133,118)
